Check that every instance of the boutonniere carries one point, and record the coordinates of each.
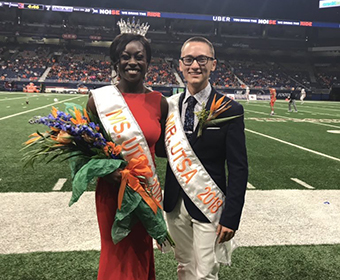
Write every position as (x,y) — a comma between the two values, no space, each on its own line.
(208,117)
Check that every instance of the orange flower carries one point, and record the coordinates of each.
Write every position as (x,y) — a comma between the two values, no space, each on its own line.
(217,108)
(116,148)
(34,139)
(106,150)
(54,129)
(57,145)
(63,137)
(79,117)
(86,115)
(209,117)
(54,111)
(112,148)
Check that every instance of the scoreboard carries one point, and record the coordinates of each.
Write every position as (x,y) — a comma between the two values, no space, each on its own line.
(30,6)
(156,14)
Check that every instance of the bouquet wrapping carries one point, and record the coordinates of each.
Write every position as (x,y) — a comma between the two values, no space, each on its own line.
(79,137)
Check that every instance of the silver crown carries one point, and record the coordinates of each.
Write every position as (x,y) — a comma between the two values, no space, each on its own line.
(133,27)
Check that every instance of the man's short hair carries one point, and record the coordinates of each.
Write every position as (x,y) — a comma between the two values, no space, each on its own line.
(202,40)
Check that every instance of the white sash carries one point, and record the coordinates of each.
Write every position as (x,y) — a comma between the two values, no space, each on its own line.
(119,122)
(189,171)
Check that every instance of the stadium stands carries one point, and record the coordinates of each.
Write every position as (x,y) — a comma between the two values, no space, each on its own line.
(91,65)
(160,73)
(327,74)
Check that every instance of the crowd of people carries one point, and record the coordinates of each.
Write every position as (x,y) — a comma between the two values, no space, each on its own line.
(78,66)
(25,65)
(90,66)
(92,71)
(261,74)
(326,80)
(160,73)
(223,76)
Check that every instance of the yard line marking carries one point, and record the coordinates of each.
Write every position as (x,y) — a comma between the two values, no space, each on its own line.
(21,113)
(302,110)
(323,108)
(283,117)
(302,183)
(250,186)
(293,145)
(58,186)
(14,98)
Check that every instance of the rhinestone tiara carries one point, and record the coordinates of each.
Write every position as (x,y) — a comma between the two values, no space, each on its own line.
(133,27)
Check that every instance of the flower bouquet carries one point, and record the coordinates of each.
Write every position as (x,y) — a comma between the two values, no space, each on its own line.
(92,153)
(209,117)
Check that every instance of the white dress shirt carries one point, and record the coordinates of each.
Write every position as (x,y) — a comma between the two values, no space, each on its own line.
(202,98)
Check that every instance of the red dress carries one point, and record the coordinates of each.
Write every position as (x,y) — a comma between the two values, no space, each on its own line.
(131,258)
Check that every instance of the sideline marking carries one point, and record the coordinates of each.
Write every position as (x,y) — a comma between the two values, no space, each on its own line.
(250,186)
(55,229)
(293,145)
(302,183)
(21,113)
(58,186)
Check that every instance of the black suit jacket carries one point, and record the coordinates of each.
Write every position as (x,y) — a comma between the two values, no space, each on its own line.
(215,148)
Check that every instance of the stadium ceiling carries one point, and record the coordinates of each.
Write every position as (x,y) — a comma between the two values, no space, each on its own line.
(263,19)
(306,10)
(261,25)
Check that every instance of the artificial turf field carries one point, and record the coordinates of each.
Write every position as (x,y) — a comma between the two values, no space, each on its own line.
(290,225)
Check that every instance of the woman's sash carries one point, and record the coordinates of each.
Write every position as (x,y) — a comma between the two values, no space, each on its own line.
(187,168)
(124,130)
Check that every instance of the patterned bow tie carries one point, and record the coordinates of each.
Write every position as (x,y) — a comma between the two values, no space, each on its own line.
(189,115)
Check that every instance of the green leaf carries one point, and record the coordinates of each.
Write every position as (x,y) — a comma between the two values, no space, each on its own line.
(134,208)
(69,108)
(221,120)
(94,168)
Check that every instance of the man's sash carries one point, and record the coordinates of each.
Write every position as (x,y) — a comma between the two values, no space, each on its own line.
(124,130)
(189,171)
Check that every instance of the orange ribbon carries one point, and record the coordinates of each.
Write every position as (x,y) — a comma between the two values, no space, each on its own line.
(137,167)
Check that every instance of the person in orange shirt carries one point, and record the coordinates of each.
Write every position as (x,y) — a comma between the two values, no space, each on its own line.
(272,92)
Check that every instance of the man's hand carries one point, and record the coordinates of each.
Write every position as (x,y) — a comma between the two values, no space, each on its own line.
(224,234)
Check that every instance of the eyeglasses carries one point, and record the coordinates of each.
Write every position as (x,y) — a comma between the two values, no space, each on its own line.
(201,59)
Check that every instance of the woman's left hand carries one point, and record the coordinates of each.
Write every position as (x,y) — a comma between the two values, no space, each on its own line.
(114,178)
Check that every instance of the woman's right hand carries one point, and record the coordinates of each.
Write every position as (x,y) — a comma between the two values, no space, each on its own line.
(114,178)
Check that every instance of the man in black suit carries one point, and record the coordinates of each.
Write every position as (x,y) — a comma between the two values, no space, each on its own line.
(292,97)
(203,204)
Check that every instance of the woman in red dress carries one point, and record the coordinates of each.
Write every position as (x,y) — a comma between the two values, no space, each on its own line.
(131,258)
